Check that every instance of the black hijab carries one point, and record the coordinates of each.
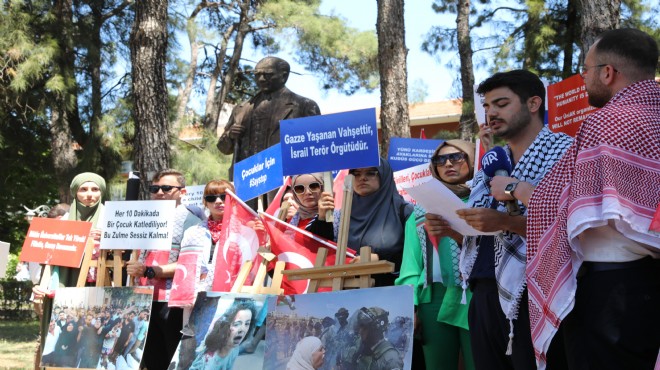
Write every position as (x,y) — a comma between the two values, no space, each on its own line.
(377,220)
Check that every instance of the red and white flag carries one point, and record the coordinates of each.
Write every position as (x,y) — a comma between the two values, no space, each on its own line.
(338,188)
(238,244)
(274,207)
(297,247)
(186,277)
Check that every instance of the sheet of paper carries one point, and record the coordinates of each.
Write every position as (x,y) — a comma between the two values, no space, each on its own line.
(436,198)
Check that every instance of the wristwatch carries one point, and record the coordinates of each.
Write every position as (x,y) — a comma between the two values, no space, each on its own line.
(510,188)
(150,273)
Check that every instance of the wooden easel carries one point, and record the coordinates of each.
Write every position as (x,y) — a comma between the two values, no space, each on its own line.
(342,276)
(103,266)
(258,287)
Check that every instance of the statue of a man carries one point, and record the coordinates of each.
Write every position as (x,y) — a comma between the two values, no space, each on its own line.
(254,125)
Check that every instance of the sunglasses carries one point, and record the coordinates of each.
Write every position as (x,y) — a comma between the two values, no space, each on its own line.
(367,174)
(313,188)
(441,159)
(212,198)
(153,189)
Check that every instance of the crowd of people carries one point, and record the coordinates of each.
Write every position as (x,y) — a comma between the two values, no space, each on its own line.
(572,282)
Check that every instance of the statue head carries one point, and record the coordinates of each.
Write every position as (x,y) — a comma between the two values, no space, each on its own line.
(271,74)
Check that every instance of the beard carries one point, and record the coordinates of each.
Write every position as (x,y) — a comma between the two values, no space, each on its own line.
(598,95)
(516,124)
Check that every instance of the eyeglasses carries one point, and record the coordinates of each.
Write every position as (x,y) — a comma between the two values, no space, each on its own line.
(313,188)
(213,198)
(586,68)
(455,158)
(366,174)
(153,189)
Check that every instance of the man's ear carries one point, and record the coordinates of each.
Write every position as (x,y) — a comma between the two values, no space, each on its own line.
(534,103)
(183,191)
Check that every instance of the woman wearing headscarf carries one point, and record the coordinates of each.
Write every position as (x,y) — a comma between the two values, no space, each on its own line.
(378,216)
(431,267)
(308,355)
(306,194)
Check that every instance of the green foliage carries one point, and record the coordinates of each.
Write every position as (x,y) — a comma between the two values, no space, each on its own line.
(447,135)
(344,57)
(201,161)
(12,262)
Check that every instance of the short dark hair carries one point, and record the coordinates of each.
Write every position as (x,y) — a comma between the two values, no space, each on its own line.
(523,83)
(637,51)
(170,172)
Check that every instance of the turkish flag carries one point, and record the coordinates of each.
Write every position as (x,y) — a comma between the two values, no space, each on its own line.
(238,244)
(185,277)
(156,258)
(338,188)
(297,248)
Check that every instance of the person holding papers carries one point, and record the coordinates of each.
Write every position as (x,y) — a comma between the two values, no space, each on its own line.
(495,265)
(431,267)
(156,268)
(378,216)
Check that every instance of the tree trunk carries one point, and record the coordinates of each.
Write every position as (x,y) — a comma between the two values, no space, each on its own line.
(394,117)
(597,16)
(215,101)
(148,56)
(184,93)
(467,121)
(571,31)
(65,122)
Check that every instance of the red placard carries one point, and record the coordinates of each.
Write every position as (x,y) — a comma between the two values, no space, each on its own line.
(568,105)
(55,242)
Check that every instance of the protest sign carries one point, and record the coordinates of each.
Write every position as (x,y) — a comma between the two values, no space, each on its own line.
(55,242)
(106,336)
(568,105)
(329,142)
(140,224)
(4,258)
(336,320)
(193,196)
(406,153)
(259,173)
(408,177)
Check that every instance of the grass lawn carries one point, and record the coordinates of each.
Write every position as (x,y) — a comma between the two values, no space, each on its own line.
(18,340)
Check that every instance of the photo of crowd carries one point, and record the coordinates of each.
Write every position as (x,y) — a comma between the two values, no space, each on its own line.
(98,328)
(221,329)
(359,329)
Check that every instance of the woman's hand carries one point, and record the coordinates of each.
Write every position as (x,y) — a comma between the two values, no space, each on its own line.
(437,227)
(326,203)
(95,234)
(374,257)
(486,136)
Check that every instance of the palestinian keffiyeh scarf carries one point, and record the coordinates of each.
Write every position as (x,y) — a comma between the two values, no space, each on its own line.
(611,173)
(510,249)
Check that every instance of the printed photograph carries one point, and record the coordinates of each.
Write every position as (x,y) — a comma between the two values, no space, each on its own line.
(364,329)
(225,331)
(98,328)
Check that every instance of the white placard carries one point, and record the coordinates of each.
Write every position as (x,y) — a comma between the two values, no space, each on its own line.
(4,258)
(409,177)
(436,198)
(193,196)
(139,224)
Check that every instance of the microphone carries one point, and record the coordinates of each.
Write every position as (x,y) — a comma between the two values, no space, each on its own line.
(497,163)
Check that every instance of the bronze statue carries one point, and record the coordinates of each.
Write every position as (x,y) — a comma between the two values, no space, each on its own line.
(254,125)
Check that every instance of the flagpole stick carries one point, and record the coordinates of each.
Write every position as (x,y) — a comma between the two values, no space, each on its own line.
(344,222)
(327,187)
